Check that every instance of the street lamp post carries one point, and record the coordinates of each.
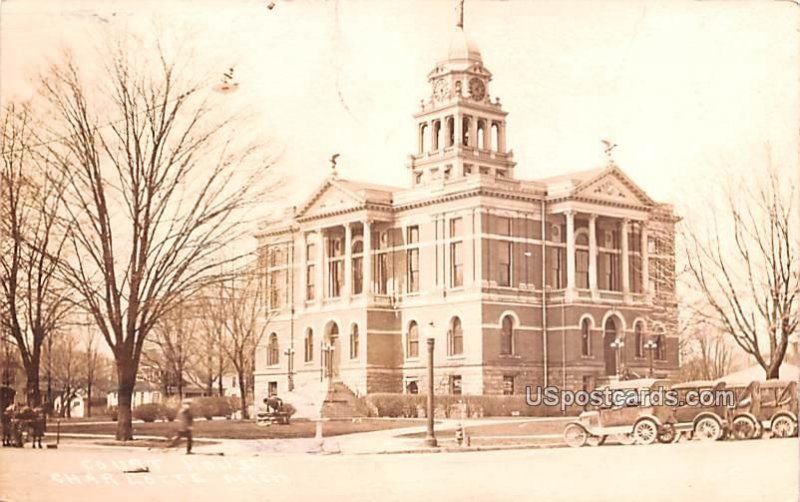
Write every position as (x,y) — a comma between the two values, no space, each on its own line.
(617,346)
(650,347)
(327,350)
(290,358)
(430,438)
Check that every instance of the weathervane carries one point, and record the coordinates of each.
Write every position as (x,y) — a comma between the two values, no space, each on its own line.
(333,163)
(460,13)
(609,147)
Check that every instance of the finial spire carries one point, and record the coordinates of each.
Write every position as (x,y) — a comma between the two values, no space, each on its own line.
(460,13)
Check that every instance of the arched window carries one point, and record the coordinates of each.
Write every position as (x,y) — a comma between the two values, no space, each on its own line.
(455,338)
(308,352)
(661,348)
(413,340)
(507,336)
(639,338)
(451,131)
(358,265)
(586,337)
(424,146)
(354,342)
(273,351)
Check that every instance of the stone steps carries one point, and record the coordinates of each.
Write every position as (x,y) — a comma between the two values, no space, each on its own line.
(341,402)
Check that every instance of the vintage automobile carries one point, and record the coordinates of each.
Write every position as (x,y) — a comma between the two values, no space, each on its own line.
(765,406)
(697,420)
(632,418)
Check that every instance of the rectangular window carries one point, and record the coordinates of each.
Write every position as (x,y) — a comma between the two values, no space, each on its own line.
(412,259)
(335,267)
(456,257)
(503,263)
(456,265)
(558,268)
(508,385)
(582,268)
(382,273)
(455,384)
(503,225)
(272,388)
(311,278)
(358,275)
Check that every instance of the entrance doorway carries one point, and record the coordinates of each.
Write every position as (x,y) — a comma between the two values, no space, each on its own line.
(609,335)
(331,352)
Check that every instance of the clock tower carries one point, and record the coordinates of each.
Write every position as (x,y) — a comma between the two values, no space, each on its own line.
(461,129)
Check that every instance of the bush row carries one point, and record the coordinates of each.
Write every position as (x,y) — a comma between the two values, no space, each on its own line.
(447,405)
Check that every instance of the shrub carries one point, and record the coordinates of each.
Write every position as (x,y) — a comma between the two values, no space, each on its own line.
(210,407)
(406,405)
(147,412)
(168,412)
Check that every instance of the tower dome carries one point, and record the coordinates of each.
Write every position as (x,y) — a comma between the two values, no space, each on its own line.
(462,48)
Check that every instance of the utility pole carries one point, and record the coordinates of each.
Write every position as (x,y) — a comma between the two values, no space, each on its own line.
(430,438)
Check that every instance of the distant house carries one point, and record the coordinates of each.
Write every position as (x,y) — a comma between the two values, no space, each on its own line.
(143,393)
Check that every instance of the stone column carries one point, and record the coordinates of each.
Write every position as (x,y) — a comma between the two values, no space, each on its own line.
(645,254)
(477,247)
(347,270)
(458,127)
(501,137)
(366,262)
(303,267)
(593,255)
(570,215)
(473,133)
(626,274)
(320,286)
(446,133)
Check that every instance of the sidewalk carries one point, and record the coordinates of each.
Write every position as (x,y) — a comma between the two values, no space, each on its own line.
(363,443)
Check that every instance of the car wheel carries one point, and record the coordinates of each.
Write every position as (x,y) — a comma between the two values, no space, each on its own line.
(575,435)
(744,427)
(645,431)
(783,427)
(707,429)
(667,434)
(595,440)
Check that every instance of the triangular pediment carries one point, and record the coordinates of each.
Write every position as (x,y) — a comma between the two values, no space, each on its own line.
(331,197)
(612,185)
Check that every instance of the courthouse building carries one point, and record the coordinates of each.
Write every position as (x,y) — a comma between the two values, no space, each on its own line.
(565,281)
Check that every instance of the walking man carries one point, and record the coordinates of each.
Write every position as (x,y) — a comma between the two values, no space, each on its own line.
(185,422)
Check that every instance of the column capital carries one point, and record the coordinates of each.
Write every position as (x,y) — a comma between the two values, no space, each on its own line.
(569,212)
(592,217)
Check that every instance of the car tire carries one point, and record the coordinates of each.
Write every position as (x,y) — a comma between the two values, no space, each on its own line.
(668,434)
(744,427)
(575,435)
(645,431)
(708,429)
(783,427)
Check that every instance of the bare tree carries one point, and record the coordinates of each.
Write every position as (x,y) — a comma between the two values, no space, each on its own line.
(747,267)
(34,301)
(707,353)
(156,185)
(244,326)
(91,367)
(172,349)
(65,360)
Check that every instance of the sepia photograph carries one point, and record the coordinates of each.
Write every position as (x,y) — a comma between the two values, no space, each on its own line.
(394,250)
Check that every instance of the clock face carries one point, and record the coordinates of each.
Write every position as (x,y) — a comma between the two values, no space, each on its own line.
(440,90)
(477,89)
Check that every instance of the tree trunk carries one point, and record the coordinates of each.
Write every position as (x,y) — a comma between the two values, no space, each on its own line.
(127,380)
(773,371)
(89,400)
(33,395)
(243,397)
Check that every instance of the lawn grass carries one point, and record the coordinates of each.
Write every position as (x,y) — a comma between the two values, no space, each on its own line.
(245,429)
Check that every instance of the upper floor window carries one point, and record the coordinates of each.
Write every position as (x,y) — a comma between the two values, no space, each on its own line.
(358,266)
(504,263)
(507,336)
(412,259)
(558,267)
(335,267)
(456,258)
(413,340)
(455,338)
(311,270)
(586,337)
(273,350)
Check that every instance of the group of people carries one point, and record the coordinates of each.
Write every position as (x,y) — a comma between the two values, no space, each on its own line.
(19,420)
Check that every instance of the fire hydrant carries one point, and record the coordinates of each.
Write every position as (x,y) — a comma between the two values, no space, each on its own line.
(460,434)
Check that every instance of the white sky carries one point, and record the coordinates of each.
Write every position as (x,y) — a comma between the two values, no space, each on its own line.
(688,89)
